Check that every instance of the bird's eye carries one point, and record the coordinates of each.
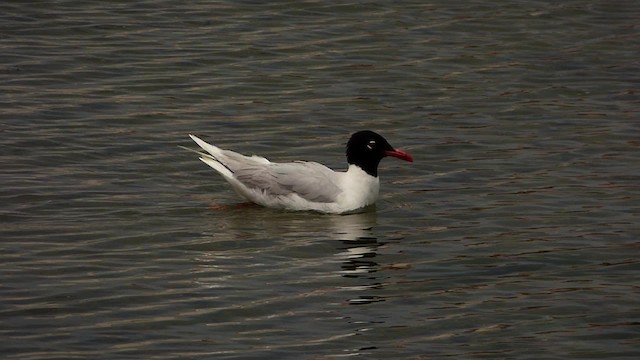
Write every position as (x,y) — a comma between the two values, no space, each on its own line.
(371,144)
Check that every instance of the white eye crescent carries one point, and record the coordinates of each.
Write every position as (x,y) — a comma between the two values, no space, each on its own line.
(371,144)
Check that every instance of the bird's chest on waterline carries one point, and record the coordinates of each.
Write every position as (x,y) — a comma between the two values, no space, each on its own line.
(360,188)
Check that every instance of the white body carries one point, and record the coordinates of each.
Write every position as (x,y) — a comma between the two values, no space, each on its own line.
(296,185)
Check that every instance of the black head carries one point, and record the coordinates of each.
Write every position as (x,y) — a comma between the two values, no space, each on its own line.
(366,148)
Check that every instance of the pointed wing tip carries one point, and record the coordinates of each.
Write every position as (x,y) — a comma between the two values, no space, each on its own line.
(199,141)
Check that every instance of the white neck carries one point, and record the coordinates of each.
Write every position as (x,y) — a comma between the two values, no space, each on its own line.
(359,188)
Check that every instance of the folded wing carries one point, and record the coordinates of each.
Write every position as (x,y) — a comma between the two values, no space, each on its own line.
(309,180)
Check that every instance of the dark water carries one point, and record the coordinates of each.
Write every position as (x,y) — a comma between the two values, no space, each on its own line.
(514,234)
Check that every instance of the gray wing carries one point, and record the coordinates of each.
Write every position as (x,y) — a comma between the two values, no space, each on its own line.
(311,181)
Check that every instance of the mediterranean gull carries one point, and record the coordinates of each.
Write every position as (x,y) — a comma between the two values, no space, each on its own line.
(306,185)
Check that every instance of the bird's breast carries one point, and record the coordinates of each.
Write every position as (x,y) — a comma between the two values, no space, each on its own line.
(359,188)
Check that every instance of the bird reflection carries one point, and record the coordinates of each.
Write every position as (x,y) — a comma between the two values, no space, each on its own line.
(359,256)
(358,251)
(356,246)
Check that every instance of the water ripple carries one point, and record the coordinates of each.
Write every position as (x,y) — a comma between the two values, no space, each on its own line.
(513,235)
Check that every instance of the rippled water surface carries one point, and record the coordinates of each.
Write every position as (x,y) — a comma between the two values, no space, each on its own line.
(513,235)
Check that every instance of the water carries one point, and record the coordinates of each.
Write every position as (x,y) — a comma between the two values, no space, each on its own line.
(514,234)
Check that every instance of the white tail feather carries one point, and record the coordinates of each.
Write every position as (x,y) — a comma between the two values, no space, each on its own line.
(217,166)
(213,150)
(210,159)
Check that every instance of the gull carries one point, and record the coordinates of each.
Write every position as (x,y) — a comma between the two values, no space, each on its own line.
(306,185)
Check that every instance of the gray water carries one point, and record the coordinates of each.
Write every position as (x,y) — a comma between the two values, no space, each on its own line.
(513,235)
